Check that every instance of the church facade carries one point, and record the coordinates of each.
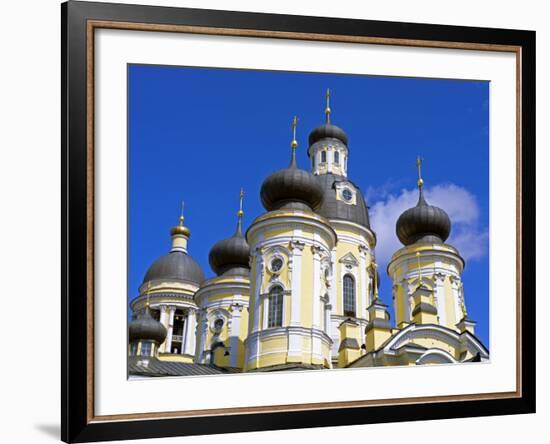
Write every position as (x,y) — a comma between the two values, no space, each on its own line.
(299,288)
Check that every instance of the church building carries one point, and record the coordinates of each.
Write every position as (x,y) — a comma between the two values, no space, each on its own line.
(298,290)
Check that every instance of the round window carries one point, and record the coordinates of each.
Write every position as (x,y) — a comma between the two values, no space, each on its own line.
(347,194)
(218,324)
(276,264)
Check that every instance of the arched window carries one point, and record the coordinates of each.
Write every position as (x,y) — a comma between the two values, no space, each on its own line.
(323,156)
(336,157)
(349,295)
(145,348)
(275,310)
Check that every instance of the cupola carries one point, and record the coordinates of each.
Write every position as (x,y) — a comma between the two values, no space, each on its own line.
(328,146)
(231,256)
(292,187)
(423,222)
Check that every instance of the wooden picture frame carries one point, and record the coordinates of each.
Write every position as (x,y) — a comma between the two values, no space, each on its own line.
(79,22)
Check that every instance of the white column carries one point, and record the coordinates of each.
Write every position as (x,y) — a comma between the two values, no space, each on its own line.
(332,329)
(455,282)
(172,310)
(439,280)
(326,313)
(295,339)
(316,286)
(296,284)
(407,301)
(362,296)
(257,290)
(202,331)
(190,332)
(163,321)
(236,311)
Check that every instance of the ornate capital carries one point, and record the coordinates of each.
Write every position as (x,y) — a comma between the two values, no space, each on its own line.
(439,278)
(316,250)
(298,245)
(236,307)
(455,281)
(363,249)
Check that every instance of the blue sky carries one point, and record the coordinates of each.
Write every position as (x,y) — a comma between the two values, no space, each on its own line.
(200,134)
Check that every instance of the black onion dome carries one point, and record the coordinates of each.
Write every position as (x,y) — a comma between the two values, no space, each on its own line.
(146,328)
(291,188)
(328,131)
(175,266)
(231,254)
(423,223)
(333,208)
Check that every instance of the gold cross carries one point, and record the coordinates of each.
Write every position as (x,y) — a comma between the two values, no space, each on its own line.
(181,214)
(294,143)
(327,109)
(241,196)
(419,166)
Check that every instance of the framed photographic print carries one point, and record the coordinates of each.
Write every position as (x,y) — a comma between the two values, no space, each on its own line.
(280,221)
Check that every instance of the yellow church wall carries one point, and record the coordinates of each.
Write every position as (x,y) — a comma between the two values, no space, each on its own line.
(400,299)
(434,343)
(175,358)
(219,297)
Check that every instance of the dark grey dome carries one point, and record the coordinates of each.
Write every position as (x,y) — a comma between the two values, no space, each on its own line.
(423,223)
(326,131)
(291,188)
(332,208)
(231,254)
(175,266)
(146,328)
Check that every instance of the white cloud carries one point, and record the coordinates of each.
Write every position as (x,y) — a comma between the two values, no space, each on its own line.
(467,236)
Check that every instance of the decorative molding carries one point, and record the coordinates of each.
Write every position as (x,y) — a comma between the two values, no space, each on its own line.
(296,245)
(349,260)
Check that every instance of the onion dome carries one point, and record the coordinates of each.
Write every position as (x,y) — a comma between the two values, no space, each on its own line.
(291,187)
(177,265)
(145,328)
(231,255)
(424,222)
(328,130)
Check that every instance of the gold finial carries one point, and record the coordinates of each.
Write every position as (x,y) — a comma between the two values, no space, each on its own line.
(181,214)
(419,166)
(419,268)
(327,109)
(180,228)
(241,196)
(375,266)
(294,143)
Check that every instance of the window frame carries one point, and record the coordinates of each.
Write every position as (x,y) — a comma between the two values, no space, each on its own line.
(345,298)
(275,318)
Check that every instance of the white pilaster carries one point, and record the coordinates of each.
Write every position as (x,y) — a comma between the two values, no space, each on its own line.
(203,330)
(257,291)
(296,284)
(190,332)
(295,340)
(164,321)
(236,311)
(362,297)
(172,310)
(455,284)
(407,301)
(439,280)
(316,286)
